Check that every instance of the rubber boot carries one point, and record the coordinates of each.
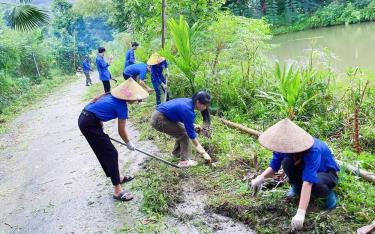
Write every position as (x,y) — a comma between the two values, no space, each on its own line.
(331,201)
(294,191)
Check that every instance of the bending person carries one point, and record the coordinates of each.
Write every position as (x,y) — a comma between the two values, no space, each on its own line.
(135,70)
(307,161)
(168,116)
(104,108)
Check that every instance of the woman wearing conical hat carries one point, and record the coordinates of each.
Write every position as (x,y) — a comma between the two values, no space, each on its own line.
(307,161)
(158,64)
(104,108)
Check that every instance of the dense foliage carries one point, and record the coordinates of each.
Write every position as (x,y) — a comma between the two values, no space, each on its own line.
(31,56)
(295,15)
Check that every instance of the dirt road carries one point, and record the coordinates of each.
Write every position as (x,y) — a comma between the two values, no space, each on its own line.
(51,182)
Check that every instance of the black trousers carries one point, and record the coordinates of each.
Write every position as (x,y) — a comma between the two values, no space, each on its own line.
(125,76)
(327,180)
(100,143)
(107,86)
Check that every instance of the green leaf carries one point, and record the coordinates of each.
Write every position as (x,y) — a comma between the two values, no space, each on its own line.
(26,17)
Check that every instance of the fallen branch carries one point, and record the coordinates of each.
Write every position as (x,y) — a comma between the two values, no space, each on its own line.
(368,176)
(367,229)
(240,127)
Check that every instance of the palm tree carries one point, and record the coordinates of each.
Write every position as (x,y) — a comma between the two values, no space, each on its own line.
(25,17)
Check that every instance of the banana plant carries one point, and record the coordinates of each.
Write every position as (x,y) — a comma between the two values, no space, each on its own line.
(25,17)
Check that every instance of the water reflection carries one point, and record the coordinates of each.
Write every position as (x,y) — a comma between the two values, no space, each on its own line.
(352,45)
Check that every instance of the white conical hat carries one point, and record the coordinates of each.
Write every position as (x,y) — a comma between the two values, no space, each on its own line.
(129,90)
(286,137)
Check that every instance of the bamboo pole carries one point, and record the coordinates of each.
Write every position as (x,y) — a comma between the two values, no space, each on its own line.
(163,22)
(240,127)
(368,176)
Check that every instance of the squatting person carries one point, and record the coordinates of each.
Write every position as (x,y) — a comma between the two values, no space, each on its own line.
(104,108)
(168,116)
(307,161)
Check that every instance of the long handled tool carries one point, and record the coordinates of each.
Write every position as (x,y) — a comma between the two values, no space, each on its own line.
(166,91)
(148,154)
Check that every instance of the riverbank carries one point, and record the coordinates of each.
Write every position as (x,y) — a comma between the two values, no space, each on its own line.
(333,14)
(238,158)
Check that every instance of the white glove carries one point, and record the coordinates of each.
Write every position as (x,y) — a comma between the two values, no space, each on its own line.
(200,149)
(257,182)
(130,146)
(207,157)
(167,72)
(297,221)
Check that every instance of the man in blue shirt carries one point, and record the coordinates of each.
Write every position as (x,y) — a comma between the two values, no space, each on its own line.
(86,67)
(176,118)
(137,70)
(158,64)
(104,108)
(129,56)
(307,161)
(102,67)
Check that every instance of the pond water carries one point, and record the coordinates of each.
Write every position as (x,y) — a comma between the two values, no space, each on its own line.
(350,45)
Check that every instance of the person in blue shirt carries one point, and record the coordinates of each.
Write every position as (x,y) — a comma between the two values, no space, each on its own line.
(158,64)
(129,56)
(104,108)
(137,70)
(308,162)
(176,118)
(86,67)
(102,66)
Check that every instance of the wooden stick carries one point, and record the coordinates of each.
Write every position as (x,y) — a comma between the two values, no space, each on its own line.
(367,229)
(368,176)
(240,127)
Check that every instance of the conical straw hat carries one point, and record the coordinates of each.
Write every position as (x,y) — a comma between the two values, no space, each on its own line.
(154,59)
(286,137)
(129,90)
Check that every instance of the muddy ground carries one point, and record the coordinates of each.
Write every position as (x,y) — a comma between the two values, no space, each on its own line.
(51,182)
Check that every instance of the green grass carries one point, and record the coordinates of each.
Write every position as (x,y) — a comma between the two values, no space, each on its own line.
(31,96)
(229,193)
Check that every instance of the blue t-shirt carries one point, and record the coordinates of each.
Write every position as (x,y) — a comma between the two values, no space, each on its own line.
(317,159)
(136,69)
(180,110)
(86,66)
(108,108)
(129,57)
(157,72)
(102,67)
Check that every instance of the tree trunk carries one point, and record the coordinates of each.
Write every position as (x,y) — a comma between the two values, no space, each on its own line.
(163,22)
(36,65)
(357,146)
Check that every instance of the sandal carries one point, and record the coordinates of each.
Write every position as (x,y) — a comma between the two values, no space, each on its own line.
(127,178)
(123,196)
(187,163)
